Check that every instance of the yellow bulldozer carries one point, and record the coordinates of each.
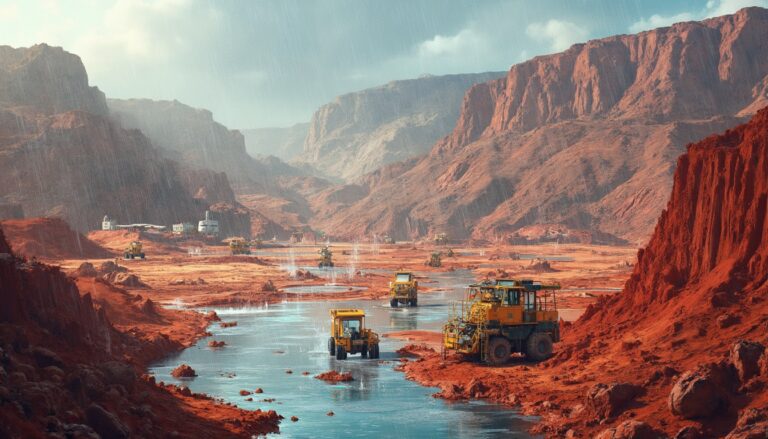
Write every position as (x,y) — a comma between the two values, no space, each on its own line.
(133,251)
(503,316)
(326,258)
(239,246)
(403,289)
(349,335)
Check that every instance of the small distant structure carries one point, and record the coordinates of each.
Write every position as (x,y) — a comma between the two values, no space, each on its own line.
(297,237)
(108,223)
(208,226)
(183,228)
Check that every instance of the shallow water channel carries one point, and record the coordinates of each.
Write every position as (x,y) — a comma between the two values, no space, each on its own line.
(380,402)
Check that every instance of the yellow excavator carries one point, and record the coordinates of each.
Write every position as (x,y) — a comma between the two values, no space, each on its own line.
(134,251)
(503,316)
(349,335)
(326,258)
(403,289)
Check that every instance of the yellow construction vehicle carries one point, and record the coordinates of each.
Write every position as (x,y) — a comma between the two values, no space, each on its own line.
(134,251)
(403,289)
(326,258)
(297,237)
(349,335)
(504,316)
(239,246)
(435,260)
(388,239)
(441,239)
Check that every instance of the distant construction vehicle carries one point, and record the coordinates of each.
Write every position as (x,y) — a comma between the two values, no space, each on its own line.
(435,260)
(441,239)
(504,316)
(296,237)
(134,251)
(239,246)
(349,335)
(386,239)
(326,258)
(403,289)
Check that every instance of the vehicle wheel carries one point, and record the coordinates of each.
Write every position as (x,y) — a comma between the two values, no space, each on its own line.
(364,352)
(374,352)
(499,350)
(393,303)
(142,256)
(341,354)
(331,346)
(538,346)
(414,302)
(320,266)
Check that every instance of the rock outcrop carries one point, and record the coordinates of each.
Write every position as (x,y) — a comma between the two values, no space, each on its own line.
(359,132)
(587,138)
(62,156)
(50,238)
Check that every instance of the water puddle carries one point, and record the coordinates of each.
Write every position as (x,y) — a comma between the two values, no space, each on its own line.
(380,402)
(319,289)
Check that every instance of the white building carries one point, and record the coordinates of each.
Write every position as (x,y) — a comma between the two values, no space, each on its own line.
(183,228)
(208,226)
(108,223)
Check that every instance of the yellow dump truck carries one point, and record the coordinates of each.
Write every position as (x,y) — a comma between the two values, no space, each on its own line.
(403,289)
(134,251)
(239,246)
(326,258)
(435,260)
(504,316)
(349,335)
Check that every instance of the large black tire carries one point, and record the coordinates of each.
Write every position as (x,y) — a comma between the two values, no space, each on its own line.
(499,350)
(341,354)
(364,352)
(414,302)
(538,347)
(331,346)
(393,303)
(373,352)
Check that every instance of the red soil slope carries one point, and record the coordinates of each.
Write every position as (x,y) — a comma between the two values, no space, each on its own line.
(65,370)
(698,289)
(50,238)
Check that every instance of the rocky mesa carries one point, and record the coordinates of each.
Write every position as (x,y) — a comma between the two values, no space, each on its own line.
(587,138)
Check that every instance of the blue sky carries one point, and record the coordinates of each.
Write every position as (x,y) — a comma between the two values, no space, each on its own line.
(272,63)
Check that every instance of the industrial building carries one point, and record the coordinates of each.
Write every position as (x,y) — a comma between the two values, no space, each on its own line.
(208,226)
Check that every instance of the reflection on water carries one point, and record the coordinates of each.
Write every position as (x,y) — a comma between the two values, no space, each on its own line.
(316,289)
(378,403)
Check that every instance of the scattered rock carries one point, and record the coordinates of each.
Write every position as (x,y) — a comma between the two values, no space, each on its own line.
(289,371)
(183,371)
(216,343)
(105,423)
(699,393)
(258,390)
(745,356)
(125,279)
(689,432)
(305,373)
(212,316)
(116,372)
(228,324)
(249,399)
(111,267)
(45,357)
(294,418)
(334,377)
(86,269)
(330,414)
(268,286)
(752,424)
(726,320)
(630,430)
(244,393)
(610,400)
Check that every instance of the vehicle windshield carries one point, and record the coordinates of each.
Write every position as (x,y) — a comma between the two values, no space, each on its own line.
(507,283)
(351,327)
(403,277)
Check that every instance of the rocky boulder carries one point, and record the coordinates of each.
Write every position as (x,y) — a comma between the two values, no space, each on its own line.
(701,392)
(630,430)
(752,424)
(745,356)
(610,400)
(184,371)
(105,423)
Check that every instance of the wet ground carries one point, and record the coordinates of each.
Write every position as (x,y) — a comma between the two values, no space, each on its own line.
(380,402)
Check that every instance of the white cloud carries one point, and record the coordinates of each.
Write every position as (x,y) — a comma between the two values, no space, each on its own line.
(467,39)
(559,34)
(9,12)
(714,8)
(659,21)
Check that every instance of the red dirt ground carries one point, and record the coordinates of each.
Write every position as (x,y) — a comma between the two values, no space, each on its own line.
(49,238)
